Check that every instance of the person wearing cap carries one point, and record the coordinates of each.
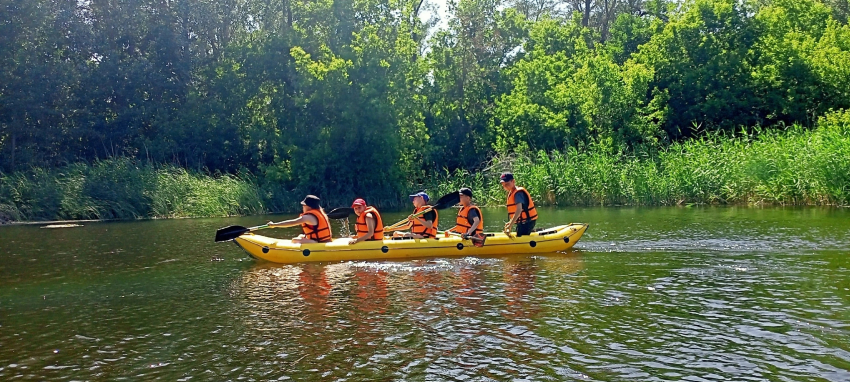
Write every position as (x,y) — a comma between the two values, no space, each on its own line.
(423,226)
(369,225)
(469,221)
(314,223)
(521,210)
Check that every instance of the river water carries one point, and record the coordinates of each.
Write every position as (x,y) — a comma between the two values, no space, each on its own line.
(648,294)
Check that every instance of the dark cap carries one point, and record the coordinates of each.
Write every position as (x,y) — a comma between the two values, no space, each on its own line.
(311,201)
(506,177)
(466,191)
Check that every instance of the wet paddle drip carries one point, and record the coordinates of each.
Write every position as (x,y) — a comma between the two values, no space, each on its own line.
(344,231)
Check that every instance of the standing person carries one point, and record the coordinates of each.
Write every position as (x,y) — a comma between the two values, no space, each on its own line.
(314,223)
(521,209)
(470,221)
(423,226)
(369,225)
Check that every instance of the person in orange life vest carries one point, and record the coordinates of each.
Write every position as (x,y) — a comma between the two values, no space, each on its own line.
(423,226)
(314,223)
(470,221)
(369,225)
(521,208)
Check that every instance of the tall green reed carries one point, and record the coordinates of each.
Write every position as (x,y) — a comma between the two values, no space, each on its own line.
(122,188)
(795,166)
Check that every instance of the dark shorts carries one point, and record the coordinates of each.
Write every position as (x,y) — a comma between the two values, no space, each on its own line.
(525,228)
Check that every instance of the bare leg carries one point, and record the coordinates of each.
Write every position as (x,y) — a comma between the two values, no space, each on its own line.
(303,240)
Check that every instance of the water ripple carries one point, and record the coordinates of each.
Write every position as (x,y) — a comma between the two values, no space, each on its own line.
(675,302)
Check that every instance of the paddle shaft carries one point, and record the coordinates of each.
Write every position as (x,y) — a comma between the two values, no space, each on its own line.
(403,222)
(475,239)
(232,232)
(446,201)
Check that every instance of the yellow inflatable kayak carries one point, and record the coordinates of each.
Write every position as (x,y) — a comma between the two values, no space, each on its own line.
(554,239)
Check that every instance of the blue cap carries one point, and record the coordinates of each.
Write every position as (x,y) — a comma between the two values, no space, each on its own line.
(422,194)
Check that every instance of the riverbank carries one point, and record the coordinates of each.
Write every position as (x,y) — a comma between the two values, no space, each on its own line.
(792,167)
(124,189)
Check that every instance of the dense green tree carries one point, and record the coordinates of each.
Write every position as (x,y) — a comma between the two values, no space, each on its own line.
(800,61)
(702,65)
(345,97)
(565,94)
(465,69)
(38,72)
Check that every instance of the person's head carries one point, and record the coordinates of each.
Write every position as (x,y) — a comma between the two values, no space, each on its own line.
(359,205)
(465,196)
(310,202)
(507,181)
(419,199)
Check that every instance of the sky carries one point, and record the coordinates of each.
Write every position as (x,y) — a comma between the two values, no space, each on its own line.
(433,8)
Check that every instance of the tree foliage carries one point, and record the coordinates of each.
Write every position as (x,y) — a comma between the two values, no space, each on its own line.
(361,97)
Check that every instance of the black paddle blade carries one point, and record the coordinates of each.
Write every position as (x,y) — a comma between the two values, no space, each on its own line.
(478,239)
(448,200)
(230,233)
(340,213)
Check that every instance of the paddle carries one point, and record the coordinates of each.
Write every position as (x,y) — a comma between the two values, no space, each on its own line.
(446,201)
(234,231)
(340,213)
(477,239)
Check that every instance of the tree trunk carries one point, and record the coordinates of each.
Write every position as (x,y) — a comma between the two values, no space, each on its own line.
(585,19)
(14,144)
(289,14)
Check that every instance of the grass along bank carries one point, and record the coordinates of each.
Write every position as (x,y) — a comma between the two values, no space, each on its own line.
(791,167)
(124,189)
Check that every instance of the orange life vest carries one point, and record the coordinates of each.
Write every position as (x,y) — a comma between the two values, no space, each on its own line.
(530,214)
(420,229)
(363,229)
(320,232)
(464,223)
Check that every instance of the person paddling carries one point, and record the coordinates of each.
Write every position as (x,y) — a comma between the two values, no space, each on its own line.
(521,209)
(423,226)
(369,225)
(314,223)
(469,221)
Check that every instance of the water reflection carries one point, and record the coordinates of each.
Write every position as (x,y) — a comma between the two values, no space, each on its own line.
(440,312)
(468,289)
(520,277)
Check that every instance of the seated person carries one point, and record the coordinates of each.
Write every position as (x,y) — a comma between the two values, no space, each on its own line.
(470,221)
(423,226)
(314,223)
(369,225)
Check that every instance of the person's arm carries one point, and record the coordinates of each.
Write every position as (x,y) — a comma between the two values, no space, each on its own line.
(370,225)
(476,221)
(521,205)
(309,219)
(428,219)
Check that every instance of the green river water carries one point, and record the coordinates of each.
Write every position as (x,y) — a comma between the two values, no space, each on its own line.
(648,294)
